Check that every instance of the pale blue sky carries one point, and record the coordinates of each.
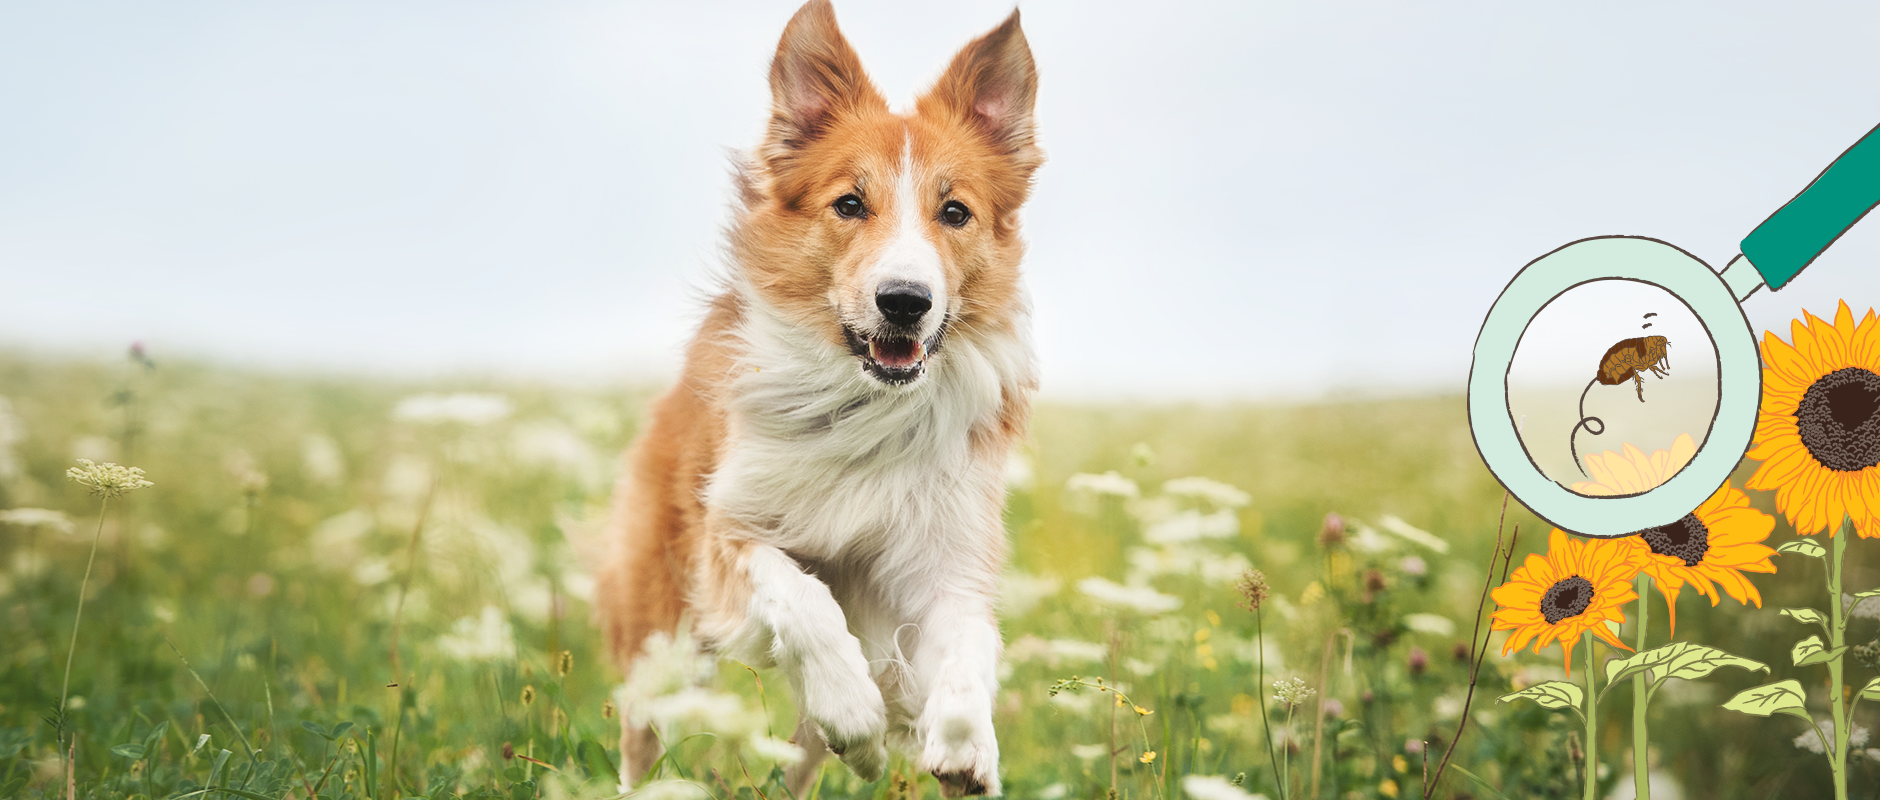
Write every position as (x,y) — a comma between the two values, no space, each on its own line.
(1247,199)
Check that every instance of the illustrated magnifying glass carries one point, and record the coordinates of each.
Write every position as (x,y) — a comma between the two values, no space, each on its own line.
(1772,255)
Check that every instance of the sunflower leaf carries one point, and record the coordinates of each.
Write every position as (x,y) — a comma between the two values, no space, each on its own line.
(1552,694)
(1806,615)
(1868,593)
(1785,697)
(1807,547)
(1812,651)
(1655,659)
(1871,691)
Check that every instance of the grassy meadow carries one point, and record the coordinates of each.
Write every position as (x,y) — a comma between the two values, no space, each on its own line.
(359,588)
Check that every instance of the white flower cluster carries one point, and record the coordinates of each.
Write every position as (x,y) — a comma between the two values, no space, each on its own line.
(107,480)
(1292,691)
(1109,483)
(37,518)
(463,408)
(1140,599)
(482,638)
(1215,787)
(1856,738)
(667,691)
(1221,495)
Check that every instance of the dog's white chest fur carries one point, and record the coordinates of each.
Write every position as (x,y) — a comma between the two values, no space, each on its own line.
(825,462)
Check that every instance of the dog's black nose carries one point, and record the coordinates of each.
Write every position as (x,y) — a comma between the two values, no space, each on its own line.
(903,302)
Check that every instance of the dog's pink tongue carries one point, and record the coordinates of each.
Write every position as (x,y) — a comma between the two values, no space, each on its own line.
(895,353)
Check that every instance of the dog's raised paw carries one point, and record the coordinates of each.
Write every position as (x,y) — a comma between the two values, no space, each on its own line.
(866,757)
(959,784)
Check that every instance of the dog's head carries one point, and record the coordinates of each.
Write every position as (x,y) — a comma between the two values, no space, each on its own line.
(887,233)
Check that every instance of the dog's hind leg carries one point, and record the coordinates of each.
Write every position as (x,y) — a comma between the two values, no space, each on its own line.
(639,748)
(802,775)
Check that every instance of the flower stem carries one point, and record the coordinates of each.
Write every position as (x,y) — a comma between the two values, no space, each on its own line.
(1259,646)
(1592,721)
(1285,778)
(83,585)
(1641,735)
(1837,634)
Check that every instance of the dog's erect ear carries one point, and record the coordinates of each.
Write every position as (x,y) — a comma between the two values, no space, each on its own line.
(815,77)
(992,84)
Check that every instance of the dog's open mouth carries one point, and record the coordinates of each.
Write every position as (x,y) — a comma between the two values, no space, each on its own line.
(892,359)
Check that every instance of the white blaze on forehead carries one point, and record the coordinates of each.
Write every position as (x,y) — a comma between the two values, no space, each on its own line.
(910,255)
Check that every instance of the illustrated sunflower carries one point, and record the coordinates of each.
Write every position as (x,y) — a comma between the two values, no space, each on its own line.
(1629,471)
(1713,545)
(1578,587)
(1818,430)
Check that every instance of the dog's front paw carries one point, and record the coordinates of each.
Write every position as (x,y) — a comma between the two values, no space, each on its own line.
(846,705)
(958,745)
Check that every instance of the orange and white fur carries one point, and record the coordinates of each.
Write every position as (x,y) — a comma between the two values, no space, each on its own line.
(823,489)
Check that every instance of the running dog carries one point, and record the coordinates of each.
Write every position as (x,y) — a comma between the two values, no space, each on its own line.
(822,490)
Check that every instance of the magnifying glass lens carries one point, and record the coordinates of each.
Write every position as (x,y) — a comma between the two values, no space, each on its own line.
(1613,387)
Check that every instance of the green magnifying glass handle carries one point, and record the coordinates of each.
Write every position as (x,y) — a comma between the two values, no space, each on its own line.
(1790,239)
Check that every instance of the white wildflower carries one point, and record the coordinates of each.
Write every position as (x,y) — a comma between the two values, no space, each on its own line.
(55,521)
(1365,539)
(670,790)
(107,480)
(1140,668)
(1141,599)
(1109,483)
(1811,742)
(1404,529)
(481,638)
(163,612)
(1076,703)
(1189,526)
(1215,787)
(1430,623)
(1019,474)
(1089,752)
(322,460)
(1219,494)
(1056,791)
(1054,652)
(1448,707)
(372,572)
(555,445)
(1862,607)
(241,466)
(668,664)
(1414,566)
(465,408)
(775,750)
(1020,592)
(697,709)
(1292,691)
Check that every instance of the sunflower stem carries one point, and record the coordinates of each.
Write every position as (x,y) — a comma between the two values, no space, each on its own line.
(1837,633)
(1592,722)
(1641,699)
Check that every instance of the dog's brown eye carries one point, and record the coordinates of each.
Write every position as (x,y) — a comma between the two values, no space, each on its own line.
(849,206)
(954,213)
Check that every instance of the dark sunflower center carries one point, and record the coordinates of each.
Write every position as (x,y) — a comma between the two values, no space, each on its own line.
(1568,598)
(1686,538)
(1837,420)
